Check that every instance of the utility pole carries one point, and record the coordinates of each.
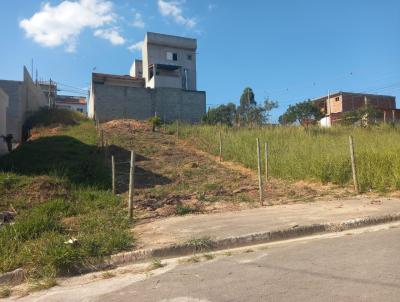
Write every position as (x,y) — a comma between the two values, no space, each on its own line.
(328,109)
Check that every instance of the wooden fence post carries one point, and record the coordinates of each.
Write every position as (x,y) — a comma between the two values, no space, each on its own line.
(102,138)
(220,146)
(105,151)
(266,163)
(384,117)
(177,128)
(131,184)
(353,164)
(260,187)
(113,173)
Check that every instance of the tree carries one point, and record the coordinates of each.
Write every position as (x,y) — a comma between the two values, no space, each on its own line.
(247,102)
(304,113)
(249,113)
(364,116)
(224,114)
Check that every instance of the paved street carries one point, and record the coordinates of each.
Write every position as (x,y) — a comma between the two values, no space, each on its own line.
(352,267)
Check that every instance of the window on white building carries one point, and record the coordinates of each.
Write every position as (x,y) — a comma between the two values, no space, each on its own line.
(172,56)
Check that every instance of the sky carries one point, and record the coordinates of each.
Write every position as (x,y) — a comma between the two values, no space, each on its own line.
(285,50)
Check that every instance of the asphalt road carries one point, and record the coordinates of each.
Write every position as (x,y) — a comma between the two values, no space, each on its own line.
(357,267)
(364,267)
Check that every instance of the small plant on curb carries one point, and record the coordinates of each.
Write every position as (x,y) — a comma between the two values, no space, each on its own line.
(42,284)
(5,291)
(193,259)
(107,275)
(200,244)
(155,264)
(182,210)
(208,256)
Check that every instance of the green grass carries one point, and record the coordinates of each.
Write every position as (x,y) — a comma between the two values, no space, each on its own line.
(312,154)
(60,188)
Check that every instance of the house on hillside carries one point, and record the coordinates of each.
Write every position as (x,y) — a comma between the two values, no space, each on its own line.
(336,104)
(162,83)
(73,103)
(25,97)
(3,119)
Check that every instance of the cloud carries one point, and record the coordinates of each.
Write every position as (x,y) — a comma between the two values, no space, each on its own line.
(138,21)
(110,34)
(62,24)
(136,47)
(173,9)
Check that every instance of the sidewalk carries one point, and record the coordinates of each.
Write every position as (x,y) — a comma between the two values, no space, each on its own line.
(356,212)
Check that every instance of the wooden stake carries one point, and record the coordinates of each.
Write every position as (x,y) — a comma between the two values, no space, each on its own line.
(220,146)
(177,128)
(102,138)
(113,173)
(105,151)
(353,164)
(259,171)
(131,184)
(266,163)
(384,117)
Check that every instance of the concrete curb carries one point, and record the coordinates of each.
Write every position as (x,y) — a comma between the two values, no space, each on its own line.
(185,249)
(18,276)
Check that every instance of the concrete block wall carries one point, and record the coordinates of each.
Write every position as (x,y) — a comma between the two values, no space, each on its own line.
(14,119)
(3,116)
(117,102)
(24,98)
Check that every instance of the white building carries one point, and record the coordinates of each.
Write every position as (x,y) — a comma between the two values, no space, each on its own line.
(168,61)
(163,82)
(73,103)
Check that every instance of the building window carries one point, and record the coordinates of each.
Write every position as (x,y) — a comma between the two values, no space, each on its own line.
(189,57)
(172,56)
(337,99)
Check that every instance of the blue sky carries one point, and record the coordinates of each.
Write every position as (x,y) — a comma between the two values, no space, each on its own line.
(287,50)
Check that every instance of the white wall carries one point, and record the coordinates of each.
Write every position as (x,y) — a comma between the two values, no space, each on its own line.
(3,122)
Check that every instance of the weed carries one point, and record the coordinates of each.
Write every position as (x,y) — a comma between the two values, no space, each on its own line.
(107,275)
(155,264)
(228,254)
(193,259)
(182,210)
(5,291)
(208,256)
(42,284)
(249,251)
(200,244)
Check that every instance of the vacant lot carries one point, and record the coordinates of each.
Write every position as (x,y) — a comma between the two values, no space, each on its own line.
(311,154)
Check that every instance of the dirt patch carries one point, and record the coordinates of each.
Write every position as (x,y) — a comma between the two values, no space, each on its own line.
(44,131)
(174,178)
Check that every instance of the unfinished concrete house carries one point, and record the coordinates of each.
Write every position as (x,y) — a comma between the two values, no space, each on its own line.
(162,83)
(24,98)
(3,119)
(338,103)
